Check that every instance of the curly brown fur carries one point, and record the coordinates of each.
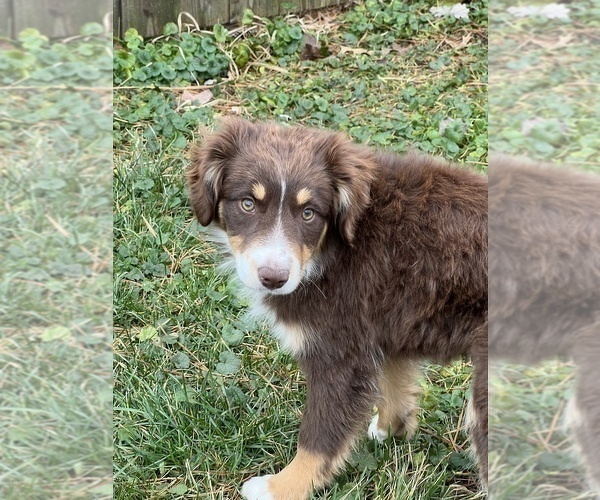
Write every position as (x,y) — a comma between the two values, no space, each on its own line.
(362,260)
(544,261)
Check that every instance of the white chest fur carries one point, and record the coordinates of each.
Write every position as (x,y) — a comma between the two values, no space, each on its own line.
(291,336)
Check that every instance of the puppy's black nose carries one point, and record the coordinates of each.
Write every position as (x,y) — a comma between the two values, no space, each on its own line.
(273,278)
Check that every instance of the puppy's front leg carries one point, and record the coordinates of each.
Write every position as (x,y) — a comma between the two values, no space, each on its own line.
(339,400)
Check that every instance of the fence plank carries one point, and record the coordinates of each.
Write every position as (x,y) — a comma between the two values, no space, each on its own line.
(207,12)
(264,7)
(58,19)
(117,18)
(6,18)
(319,4)
(148,16)
(273,8)
(236,10)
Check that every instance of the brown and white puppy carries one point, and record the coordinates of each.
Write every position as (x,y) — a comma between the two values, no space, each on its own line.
(545,279)
(364,263)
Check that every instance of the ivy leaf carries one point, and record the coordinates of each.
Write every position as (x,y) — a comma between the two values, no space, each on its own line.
(208,45)
(168,73)
(87,72)
(179,489)
(232,336)
(363,460)
(55,333)
(32,39)
(235,395)
(295,32)
(181,360)
(132,39)
(90,29)
(145,184)
(247,17)
(220,33)
(186,394)
(228,364)
(321,103)
(147,333)
(170,29)
(180,143)
(124,59)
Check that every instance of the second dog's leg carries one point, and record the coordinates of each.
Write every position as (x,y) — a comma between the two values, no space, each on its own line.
(339,399)
(479,407)
(398,403)
(587,406)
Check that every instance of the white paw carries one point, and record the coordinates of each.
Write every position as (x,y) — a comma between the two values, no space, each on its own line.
(572,416)
(257,488)
(375,432)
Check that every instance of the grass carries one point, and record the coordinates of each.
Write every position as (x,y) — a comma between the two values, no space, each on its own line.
(543,85)
(531,452)
(203,398)
(55,293)
(543,104)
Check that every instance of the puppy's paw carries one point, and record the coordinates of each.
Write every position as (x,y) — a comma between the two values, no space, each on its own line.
(257,488)
(375,432)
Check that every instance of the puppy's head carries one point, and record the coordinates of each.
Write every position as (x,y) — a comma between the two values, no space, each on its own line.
(276,191)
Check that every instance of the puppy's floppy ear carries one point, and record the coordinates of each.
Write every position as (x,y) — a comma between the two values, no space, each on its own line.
(208,166)
(352,169)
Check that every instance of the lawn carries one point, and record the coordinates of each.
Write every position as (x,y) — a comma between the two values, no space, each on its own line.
(203,398)
(544,83)
(55,282)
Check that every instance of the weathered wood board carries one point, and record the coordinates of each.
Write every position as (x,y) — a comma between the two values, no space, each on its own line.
(149,16)
(63,18)
(53,18)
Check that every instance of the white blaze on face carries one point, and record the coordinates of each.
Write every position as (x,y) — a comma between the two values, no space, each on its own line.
(271,259)
(280,211)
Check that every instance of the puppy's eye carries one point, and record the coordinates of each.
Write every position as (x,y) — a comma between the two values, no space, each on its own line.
(247,205)
(308,214)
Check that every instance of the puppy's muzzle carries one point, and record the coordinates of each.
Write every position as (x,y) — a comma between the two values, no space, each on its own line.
(273,279)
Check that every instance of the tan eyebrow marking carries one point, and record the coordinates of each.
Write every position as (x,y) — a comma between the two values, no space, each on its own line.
(236,243)
(259,191)
(303,196)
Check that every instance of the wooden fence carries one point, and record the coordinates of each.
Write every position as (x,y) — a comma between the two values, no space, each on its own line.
(63,18)
(54,18)
(149,16)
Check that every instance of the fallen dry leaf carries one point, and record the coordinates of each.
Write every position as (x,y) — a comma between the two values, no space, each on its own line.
(352,50)
(552,43)
(196,98)
(400,48)
(462,44)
